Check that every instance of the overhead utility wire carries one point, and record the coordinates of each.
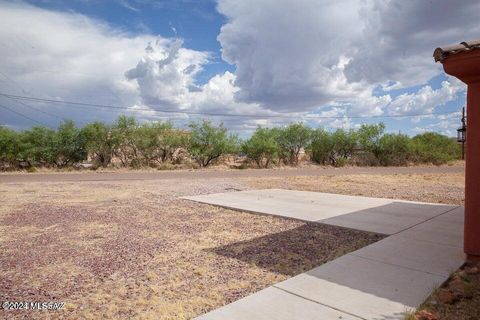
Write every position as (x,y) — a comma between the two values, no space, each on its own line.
(66,102)
(22,103)
(33,108)
(22,115)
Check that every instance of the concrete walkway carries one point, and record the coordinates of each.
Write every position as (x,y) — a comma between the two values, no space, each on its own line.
(380,281)
(385,216)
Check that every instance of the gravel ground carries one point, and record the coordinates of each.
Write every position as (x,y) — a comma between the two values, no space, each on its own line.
(435,188)
(132,249)
(219,172)
(458,299)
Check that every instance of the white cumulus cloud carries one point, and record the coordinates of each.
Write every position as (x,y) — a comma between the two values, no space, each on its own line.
(426,99)
(301,55)
(309,58)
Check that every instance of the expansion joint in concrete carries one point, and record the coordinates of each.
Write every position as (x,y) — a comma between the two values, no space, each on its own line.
(317,302)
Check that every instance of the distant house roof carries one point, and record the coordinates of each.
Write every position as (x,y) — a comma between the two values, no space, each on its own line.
(442,53)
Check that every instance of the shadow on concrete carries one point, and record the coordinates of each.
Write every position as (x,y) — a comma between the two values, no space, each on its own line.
(390,218)
(387,288)
(297,250)
(385,216)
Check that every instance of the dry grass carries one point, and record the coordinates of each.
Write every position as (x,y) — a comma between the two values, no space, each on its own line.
(134,250)
(435,188)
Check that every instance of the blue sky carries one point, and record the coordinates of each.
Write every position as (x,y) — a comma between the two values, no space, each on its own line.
(330,64)
(197,22)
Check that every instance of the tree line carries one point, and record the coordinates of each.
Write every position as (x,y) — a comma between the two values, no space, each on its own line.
(367,146)
(128,143)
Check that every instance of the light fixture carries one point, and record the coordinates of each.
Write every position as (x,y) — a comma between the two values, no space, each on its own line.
(461,134)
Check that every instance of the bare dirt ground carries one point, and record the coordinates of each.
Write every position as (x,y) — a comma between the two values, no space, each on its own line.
(457,299)
(220,172)
(132,249)
(428,187)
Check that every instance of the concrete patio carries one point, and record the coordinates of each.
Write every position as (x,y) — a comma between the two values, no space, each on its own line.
(380,281)
(385,216)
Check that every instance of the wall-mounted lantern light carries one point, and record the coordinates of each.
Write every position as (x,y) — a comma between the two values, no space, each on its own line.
(461,134)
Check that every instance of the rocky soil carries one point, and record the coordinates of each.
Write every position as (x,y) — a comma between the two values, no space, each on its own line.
(135,250)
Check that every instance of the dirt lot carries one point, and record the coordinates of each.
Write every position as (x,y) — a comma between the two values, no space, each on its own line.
(430,187)
(457,299)
(132,249)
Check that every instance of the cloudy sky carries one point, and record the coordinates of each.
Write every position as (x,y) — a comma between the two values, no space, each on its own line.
(335,64)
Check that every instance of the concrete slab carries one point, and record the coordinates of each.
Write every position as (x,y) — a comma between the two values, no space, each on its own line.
(374,221)
(415,254)
(380,281)
(384,216)
(446,229)
(456,216)
(274,303)
(265,205)
(366,288)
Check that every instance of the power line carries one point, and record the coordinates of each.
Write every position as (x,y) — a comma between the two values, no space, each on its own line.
(13,81)
(24,104)
(142,109)
(33,108)
(84,104)
(22,115)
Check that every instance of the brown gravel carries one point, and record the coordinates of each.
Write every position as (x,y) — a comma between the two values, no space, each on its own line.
(435,188)
(464,288)
(134,250)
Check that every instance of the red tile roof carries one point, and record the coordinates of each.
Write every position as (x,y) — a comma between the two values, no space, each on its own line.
(442,53)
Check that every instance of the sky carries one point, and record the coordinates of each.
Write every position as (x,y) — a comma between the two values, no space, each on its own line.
(330,64)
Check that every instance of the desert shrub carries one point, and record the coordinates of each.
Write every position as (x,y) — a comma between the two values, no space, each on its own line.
(38,146)
(171,142)
(9,148)
(145,138)
(394,150)
(98,142)
(262,147)
(333,148)
(434,148)
(166,166)
(69,144)
(123,138)
(136,163)
(341,162)
(291,140)
(369,136)
(345,143)
(41,146)
(361,158)
(322,147)
(158,142)
(208,142)
(31,169)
